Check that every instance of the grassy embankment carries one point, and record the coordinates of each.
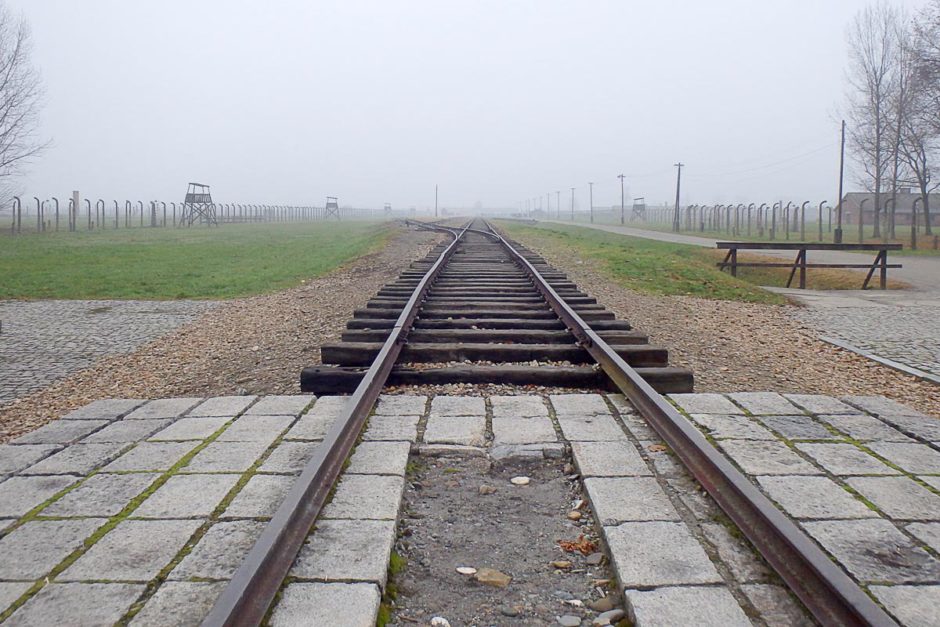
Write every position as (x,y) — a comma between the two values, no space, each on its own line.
(226,262)
(670,269)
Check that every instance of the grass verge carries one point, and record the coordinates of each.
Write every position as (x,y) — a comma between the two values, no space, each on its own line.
(160,264)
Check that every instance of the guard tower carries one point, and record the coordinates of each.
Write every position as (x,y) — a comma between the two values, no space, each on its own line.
(388,208)
(198,206)
(639,208)
(332,207)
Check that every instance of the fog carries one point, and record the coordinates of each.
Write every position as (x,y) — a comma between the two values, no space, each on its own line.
(496,102)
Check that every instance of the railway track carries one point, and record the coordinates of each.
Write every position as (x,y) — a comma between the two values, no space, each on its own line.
(481,287)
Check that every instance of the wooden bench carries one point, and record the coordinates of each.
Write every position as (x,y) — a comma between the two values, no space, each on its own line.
(880,263)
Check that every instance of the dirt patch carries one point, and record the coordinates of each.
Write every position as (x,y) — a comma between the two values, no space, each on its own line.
(734,346)
(255,345)
(448,523)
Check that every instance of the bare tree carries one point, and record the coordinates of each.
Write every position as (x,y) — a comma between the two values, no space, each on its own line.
(20,97)
(872,40)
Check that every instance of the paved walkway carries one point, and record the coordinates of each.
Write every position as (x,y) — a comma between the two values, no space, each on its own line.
(45,340)
(899,328)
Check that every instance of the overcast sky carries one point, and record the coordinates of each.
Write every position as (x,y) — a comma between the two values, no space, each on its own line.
(287,101)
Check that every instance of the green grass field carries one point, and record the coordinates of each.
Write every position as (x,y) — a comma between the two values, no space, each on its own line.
(670,269)
(225,262)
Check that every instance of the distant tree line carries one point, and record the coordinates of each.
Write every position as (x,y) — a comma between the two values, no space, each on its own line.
(893,104)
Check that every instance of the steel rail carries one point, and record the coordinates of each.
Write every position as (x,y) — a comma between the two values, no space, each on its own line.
(247,597)
(826,591)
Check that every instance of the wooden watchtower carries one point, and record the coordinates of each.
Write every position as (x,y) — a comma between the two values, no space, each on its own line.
(198,206)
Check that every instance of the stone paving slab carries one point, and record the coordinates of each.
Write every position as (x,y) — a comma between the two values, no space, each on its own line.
(179,603)
(799,428)
(705,404)
(226,457)
(260,497)
(61,432)
(721,426)
(912,605)
(764,403)
(222,406)
(458,406)
(652,554)
(776,606)
(758,457)
(10,591)
(900,498)
(77,604)
(347,550)
(18,457)
(622,499)
(523,430)
(916,426)
(579,405)
(19,495)
(915,458)
(163,408)
(36,547)
(256,429)
(820,404)
(347,604)
(590,428)
(865,428)
(190,429)
(187,496)
(105,409)
(219,552)
(845,459)
(136,550)
(393,405)
(465,430)
(379,458)
(101,495)
(512,407)
(928,533)
(391,428)
(289,457)
(281,405)
(366,497)
(609,459)
(881,406)
(151,456)
(710,605)
(126,431)
(311,426)
(814,498)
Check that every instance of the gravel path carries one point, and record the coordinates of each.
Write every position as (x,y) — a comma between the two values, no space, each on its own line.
(734,346)
(250,345)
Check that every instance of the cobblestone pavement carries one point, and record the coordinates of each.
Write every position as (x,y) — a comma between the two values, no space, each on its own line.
(860,474)
(138,512)
(42,341)
(897,326)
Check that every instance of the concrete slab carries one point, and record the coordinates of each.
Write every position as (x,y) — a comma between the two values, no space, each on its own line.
(17,457)
(814,498)
(523,430)
(36,547)
(61,432)
(379,458)
(725,426)
(190,429)
(77,604)
(458,406)
(256,429)
(900,498)
(764,403)
(873,550)
(77,459)
(928,533)
(10,591)
(609,459)
(400,405)
(289,457)
(223,406)
(135,550)
(676,605)
(845,459)
(187,496)
(820,404)
(164,408)
(621,499)
(293,405)
(18,495)
(311,426)
(151,456)
(708,403)
(512,407)
(579,405)
(465,430)
(179,603)
(758,457)
(374,497)
(127,431)
(101,495)
(392,428)
(219,552)
(591,428)
(914,458)
(226,457)
(651,554)
(105,409)
(865,428)
(880,406)
(347,604)
(911,605)
(260,497)
(347,550)
(799,428)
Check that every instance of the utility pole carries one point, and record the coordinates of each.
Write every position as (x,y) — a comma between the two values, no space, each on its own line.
(558,205)
(572,204)
(675,218)
(435,200)
(620,176)
(591,196)
(837,235)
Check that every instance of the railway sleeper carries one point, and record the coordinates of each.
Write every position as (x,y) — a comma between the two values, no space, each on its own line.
(484,323)
(518,336)
(542,314)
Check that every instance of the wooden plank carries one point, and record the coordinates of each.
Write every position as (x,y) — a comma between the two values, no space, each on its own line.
(806,245)
(517,336)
